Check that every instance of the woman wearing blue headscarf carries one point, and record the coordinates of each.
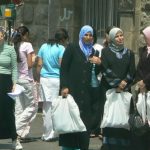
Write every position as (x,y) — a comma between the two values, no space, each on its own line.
(75,79)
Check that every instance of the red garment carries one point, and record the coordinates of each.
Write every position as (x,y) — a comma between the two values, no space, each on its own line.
(17,1)
(143,69)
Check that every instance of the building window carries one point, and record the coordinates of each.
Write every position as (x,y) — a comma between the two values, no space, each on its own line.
(126,5)
(100,14)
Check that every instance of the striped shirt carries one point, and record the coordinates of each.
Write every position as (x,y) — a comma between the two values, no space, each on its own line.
(8,61)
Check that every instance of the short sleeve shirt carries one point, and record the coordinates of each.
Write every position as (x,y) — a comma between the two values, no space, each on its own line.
(24,72)
(50,55)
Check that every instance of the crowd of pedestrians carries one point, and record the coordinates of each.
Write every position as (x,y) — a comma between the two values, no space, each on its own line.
(85,69)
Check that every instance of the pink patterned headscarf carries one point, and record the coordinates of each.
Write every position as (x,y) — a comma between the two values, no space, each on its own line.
(146,33)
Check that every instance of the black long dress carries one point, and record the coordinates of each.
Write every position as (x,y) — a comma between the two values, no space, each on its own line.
(123,69)
(142,73)
(7,108)
(75,73)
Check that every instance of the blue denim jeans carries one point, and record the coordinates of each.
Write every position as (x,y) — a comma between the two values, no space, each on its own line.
(67,148)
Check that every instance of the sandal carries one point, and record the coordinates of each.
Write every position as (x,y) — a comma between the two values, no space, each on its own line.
(100,136)
(92,135)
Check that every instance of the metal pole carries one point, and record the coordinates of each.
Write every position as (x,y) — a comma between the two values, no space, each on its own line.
(49,3)
(9,31)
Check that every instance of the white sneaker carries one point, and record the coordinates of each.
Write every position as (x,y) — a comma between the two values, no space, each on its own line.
(16,145)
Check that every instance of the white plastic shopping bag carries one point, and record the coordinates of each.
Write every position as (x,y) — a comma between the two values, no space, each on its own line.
(148,107)
(142,103)
(66,116)
(116,109)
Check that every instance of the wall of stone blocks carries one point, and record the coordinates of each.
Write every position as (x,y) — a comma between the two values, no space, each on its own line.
(44,17)
(132,24)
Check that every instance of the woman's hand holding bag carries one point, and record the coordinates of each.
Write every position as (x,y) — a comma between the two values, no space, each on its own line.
(116,109)
(140,118)
(66,115)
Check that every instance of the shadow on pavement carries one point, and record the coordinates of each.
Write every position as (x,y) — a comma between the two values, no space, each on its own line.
(5,146)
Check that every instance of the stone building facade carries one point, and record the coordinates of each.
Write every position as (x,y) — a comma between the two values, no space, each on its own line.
(43,17)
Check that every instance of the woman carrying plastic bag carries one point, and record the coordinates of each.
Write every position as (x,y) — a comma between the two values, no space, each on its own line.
(75,79)
(116,109)
(66,116)
(118,64)
(143,83)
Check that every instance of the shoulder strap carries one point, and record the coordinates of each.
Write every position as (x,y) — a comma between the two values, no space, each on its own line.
(146,105)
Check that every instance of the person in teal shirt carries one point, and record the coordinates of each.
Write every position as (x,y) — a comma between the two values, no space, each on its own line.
(48,68)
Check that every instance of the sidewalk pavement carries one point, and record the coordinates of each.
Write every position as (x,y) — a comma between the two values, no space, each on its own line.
(37,144)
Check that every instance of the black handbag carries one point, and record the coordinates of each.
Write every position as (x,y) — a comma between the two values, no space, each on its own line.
(137,126)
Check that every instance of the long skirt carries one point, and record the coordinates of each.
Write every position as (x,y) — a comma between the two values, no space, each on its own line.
(79,140)
(7,109)
(116,139)
(141,142)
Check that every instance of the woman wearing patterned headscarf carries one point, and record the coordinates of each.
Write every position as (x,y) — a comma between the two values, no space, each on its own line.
(118,72)
(75,77)
(143,84)
(143,70)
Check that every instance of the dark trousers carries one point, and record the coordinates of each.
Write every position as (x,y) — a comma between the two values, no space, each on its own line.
(96,110)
